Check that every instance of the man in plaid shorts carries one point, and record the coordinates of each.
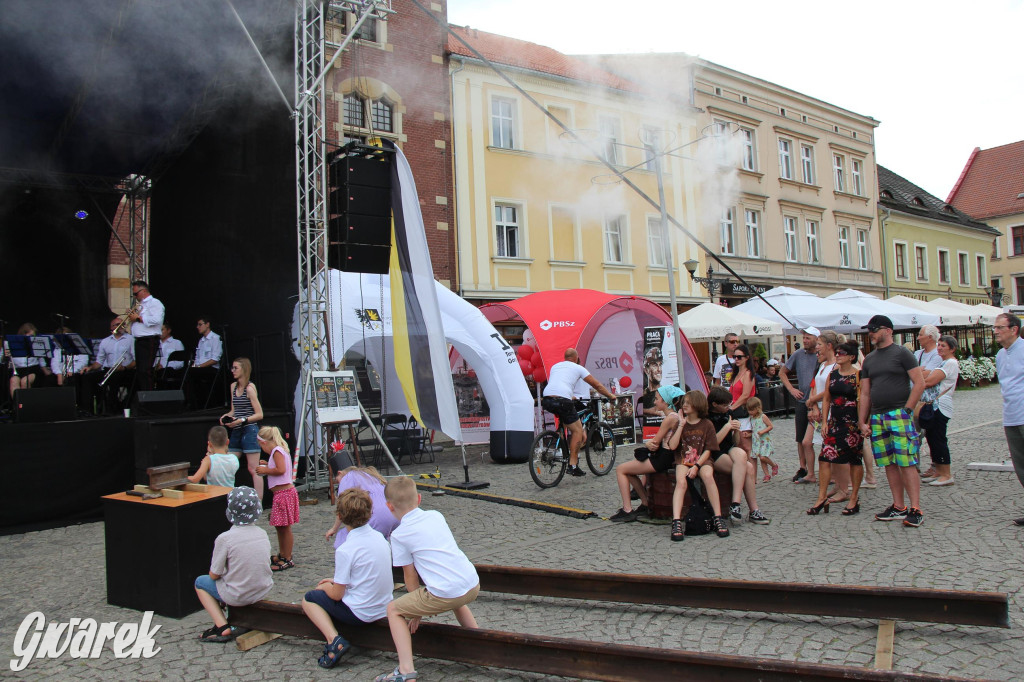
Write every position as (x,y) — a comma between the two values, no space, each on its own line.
(886,417)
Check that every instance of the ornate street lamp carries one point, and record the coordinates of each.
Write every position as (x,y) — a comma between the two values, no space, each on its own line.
(995,293)
(711,283)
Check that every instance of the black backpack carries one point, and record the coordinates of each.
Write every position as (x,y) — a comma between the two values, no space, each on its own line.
(700,517)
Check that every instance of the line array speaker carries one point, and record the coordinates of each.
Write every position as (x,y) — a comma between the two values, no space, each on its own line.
(359,230)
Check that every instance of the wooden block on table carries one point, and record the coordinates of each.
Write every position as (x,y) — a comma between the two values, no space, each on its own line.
(173,494)
(143,489)
(195,487)
(168,476)
(253,639)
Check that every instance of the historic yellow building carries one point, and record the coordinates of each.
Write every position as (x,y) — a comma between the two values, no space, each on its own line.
(931,248)
(536,210)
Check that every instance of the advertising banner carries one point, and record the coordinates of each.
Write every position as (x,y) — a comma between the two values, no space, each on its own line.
(657,341)
(619,415)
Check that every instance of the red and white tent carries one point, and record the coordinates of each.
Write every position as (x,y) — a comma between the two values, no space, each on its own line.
(606,329)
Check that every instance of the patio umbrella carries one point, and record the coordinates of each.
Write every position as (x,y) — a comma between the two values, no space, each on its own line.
(947,316)
(970,310)
(710,322)
(903,317)
(803,309)
(988,312)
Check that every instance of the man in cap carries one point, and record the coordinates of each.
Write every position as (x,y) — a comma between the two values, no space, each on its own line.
(1010,364)
(558,400)
(805,363)
(886,418)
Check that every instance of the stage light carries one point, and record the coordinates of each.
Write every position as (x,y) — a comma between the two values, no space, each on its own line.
(81,215)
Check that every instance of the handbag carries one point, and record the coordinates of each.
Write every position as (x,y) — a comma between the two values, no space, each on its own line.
(700,516)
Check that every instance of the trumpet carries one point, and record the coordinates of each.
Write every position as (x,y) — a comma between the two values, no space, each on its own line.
(126,323)
(110,372)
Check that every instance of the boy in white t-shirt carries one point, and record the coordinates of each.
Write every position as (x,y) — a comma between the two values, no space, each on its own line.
(424,547)
(362,588)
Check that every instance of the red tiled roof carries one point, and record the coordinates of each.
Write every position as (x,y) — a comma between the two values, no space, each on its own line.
(527,55)
(991,183)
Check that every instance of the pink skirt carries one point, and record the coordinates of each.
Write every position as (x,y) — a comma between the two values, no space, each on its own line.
(285,510)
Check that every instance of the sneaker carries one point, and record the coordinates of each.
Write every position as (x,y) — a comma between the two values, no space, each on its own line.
(757,517)
(623,516)
(642,510)
(914,518)
(734,511)
(891,513)
(1019,522)
(576,471)
(800,473)
(721,529)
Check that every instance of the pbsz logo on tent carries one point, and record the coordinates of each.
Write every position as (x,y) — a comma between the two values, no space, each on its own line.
(548,324)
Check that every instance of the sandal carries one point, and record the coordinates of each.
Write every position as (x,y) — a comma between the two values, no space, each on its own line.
(395,676)
(274,558)
(850,511)
(677,530)
(766,478)
(333,651)
(216,634)
(282,565)
(721,529)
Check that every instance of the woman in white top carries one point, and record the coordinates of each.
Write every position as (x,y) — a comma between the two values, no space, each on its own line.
(828,341)
(938,410)
(25,370)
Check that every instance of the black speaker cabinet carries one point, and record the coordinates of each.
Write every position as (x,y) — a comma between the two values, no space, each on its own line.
(352,228)
(153,403)
(359,258)
(352,169)
(44,405)
(374,201)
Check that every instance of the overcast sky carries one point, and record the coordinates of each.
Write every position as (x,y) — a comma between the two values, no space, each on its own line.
(943,77)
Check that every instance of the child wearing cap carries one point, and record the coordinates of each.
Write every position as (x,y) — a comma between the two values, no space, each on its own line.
(239,572)
(655,455)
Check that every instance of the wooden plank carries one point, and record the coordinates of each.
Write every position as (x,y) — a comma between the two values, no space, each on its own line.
(884,645)
(254,638)
(195,487)
(173,494)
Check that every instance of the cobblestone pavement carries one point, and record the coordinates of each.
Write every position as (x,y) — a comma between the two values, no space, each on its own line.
(967,542)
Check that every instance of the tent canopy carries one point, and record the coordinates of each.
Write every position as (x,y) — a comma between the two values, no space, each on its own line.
(947,316)
(803,309)
(710,322)
(972,312)
(903,317)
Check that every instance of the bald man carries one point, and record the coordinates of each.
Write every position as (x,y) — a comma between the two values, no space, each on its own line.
(558,400)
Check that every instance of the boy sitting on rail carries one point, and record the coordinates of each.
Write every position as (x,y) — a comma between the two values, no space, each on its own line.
(423,546)
(218,466)
(361,589)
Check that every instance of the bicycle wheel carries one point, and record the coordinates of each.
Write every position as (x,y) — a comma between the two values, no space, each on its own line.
(600,447)
(547,460)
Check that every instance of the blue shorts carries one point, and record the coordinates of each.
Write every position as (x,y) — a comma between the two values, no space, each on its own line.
(243,439)
(208,584)
(339,612)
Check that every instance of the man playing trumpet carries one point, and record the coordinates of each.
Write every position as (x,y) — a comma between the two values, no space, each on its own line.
(147,318)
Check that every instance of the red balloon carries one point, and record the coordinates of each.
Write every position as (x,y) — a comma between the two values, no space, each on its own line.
(539,375)
(525,352)
(526,366)
(535,359)
(625,382)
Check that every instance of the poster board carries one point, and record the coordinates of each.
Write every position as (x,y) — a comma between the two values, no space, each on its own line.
(654,363)
(336,398)
(618,414)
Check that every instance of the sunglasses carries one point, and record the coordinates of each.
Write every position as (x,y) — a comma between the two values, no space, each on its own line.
(739,357)
(733,341)
(873,329)
(841,352)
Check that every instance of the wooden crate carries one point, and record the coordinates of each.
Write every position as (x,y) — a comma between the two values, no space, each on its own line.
(661,486)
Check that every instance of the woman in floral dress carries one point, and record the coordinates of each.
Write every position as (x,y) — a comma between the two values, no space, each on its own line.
(842,443)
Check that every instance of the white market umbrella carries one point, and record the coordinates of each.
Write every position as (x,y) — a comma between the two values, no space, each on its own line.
(804,309)
(710,322)
(988,312)
(970,310)
(947,316)
(903,317)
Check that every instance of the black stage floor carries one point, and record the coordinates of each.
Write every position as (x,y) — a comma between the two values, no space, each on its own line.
(58,471)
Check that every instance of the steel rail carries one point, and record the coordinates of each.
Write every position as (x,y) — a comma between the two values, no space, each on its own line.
(989,609)
(560,656)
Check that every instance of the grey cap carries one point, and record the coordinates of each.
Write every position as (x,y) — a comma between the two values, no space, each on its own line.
(244,506)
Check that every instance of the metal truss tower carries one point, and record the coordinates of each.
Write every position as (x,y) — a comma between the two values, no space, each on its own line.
(312,210)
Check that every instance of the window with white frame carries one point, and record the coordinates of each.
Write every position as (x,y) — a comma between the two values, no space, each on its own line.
(964,267)
(649,137)
(811,228)
(506,229)
(1018,289)
(863,254)
(614,239)
(844,246)
(789,231)
(995,248)
(749,155)
(722,142)
(807,163)
(728,233)
(655,243)
(503,123)
(857,174)
(900,254)
(753,225)
(785,159)
(982,270)
(611,134)
(921,262)
(839,172)
(944,266)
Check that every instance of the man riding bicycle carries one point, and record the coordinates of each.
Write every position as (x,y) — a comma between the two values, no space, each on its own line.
(563,381)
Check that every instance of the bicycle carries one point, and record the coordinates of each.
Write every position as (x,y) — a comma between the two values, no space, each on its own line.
(549,453)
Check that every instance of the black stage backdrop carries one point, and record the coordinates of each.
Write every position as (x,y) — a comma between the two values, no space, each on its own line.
(224,241)
(52,262)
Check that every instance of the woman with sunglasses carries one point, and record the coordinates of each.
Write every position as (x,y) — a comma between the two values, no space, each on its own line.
(843,440)
(938,410)
(742,387)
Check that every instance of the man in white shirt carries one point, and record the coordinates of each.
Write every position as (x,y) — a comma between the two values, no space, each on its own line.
(558,400)
(147,318)
(1010,364)
(928,359)
(117,350)
(207,362)
(732,342)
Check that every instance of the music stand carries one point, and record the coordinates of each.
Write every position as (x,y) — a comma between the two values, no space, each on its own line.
(70,345)
(29,346)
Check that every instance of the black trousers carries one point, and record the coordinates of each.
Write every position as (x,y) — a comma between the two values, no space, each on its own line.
(146,348)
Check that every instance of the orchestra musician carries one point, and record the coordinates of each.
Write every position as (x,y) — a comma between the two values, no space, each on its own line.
(75,365)
(169,370)
(147,319)
(26,371)
(206,364)
(118,351)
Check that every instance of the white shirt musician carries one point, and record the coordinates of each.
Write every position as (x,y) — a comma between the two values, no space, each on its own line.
(113,348)
(209,350)
(168,345)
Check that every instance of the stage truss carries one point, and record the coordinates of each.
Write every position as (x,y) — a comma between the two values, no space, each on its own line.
(314,307)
